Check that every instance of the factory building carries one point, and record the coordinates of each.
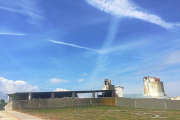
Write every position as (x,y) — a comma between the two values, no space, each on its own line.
(57,94)
(107,85)
(153,87)
(108,90)
(118,91)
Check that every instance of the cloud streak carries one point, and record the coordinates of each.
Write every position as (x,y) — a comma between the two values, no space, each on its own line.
(80,80)
(125,47)
(6,33)
(26,8)
(173,58)
(124,8)
(101,60)
(22,12)
(56,80)
(60,89)
(73,45)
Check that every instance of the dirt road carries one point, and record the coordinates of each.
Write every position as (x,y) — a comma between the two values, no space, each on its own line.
(22,116)
(4,116)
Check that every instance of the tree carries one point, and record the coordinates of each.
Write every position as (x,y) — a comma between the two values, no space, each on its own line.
(2,103)
(14,96)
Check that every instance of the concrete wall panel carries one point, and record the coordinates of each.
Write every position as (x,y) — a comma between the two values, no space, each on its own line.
(173,104)
(150,103)
(125,102)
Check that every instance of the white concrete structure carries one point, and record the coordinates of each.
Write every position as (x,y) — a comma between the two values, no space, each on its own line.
(30,97)
(153,87)
(9,98)
(73,94)
(107,85)
(119,91)
(52,95)
(93,94)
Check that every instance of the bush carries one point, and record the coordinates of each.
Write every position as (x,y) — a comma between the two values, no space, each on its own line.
(2,104)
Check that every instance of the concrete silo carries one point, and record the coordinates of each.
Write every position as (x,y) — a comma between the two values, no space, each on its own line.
(119,91)
(153,87)
(107,85)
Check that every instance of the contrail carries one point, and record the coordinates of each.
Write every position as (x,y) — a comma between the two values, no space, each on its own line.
(101,59)
(3,33)
(23,12)
(100,62)
(125,8)
(112,31)
(73,45)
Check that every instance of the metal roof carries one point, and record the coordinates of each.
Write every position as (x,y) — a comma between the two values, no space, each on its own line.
(83,91)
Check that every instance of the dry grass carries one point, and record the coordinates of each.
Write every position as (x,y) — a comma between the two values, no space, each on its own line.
(102,113)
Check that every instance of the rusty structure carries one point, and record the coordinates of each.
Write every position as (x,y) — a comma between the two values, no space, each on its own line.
(153,87)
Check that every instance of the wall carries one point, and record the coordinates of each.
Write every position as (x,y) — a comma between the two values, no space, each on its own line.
(173,104)
(125,102)
(151,103)
(9,106)
(64,102)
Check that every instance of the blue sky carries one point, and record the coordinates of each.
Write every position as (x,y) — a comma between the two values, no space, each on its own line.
(67,45)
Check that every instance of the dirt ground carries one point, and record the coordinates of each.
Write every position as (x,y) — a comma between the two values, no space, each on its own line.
(103,113)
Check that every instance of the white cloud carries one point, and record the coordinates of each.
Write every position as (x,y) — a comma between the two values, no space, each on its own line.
(177,24)
(73,45)
(124,8)
(85,74)
(173,58)
(10,86)
(60,89)
(80,80)
(85,95)
(8,33)
(56,80)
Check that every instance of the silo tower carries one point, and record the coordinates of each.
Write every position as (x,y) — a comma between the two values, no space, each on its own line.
(153,87)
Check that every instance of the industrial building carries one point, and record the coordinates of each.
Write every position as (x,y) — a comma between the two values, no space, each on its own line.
(118,90)
(108,90)
(109,95)
(153,87)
